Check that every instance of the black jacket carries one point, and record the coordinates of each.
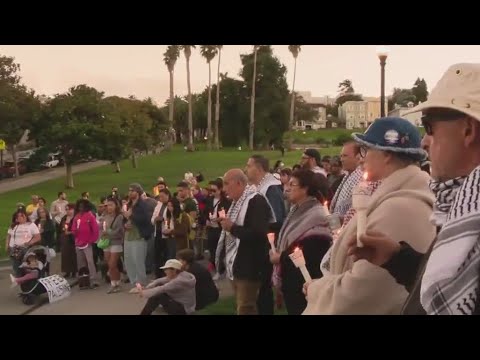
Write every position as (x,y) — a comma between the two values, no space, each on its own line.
(205,290)
(275,198)
(209,208)
(252,261)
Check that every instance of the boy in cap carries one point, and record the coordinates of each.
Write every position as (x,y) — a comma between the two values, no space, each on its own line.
(175,292)
(312,160)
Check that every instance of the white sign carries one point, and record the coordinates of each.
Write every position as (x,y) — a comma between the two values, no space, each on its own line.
(57,288)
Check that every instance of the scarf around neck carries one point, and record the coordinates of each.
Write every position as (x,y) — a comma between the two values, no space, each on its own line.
(302,218)
(450,284)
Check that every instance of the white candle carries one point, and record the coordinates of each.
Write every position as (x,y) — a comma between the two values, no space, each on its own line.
(222,214)
(271,240)
(124,207)
(78,223)
(166,224)
(210,216)
(39,227)
(325,207)
(299,261)
(104,226)
(360,202)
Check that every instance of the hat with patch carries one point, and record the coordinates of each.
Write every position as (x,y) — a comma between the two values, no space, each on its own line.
(393,134)
(458,89)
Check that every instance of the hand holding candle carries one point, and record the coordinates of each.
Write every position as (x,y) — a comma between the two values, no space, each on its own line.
(222,214)
(299,261)
(78,224)
(360,202)
(104,226)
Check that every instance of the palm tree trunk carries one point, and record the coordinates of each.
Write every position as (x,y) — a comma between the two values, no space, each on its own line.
(68,167)
(217,108)
(171,110)
(134,160)
(292,104)
(117,166)
(252,101)
(190,119)
(209,111)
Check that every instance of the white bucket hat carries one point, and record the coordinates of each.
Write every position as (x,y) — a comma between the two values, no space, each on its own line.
(458,89)
(172,264)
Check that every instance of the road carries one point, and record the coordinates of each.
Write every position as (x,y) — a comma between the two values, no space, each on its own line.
(35,178)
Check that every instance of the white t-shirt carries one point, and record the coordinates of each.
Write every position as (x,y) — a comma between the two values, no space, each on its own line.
(21,234)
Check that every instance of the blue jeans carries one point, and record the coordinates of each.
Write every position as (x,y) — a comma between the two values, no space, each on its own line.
(135,253)
(15,266)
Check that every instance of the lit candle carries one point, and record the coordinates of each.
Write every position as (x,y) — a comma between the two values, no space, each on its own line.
(271,240)
(78,223)
(104,226)
(66,226)
(360,202)
(299,261)
(325,207)
(166,224)
(39,227)
(124,207)
(222,214)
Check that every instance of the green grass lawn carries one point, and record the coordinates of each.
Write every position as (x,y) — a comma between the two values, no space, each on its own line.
(226,306)
(171,165)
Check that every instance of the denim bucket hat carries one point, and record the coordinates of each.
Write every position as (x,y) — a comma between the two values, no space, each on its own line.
(393,134)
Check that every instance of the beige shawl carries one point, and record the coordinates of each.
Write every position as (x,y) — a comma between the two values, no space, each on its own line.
(400,208)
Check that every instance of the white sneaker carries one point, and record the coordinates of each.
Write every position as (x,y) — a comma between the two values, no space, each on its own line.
(216,277)
(134,291)
(13,280)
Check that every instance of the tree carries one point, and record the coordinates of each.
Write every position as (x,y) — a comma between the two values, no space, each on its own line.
(342,99)
(217,107)
(403,96)
(304,111)
(72,124)
(209,52)
(271,95)
(170,58)
(295,50)
(346,87)
(252,99)
(187,50)
(420,91)
(9,71)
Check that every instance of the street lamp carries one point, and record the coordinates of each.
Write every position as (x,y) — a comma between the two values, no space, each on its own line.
(382,52)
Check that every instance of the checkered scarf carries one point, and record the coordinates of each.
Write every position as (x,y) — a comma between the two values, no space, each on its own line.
(342,200)
(450,284)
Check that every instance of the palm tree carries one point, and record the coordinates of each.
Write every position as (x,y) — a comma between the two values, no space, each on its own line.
(187,50)
(346,87)
(209,52)
(252,100)
(294,49)
(170,58)
(217,107)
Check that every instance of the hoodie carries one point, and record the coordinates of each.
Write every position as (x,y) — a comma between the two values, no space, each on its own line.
(181,289)
(85,229)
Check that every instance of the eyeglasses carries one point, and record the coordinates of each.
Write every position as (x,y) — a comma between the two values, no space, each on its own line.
(428,119)
(293,184)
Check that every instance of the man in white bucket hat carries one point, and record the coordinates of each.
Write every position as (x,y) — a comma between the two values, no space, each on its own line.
(446,279)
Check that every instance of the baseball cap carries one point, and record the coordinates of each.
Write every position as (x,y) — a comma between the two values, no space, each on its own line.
(172,264)
(458,89)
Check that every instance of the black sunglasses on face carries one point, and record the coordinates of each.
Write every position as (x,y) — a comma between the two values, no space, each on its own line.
(428,119)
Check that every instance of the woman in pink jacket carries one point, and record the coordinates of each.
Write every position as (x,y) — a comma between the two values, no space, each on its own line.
(86,232)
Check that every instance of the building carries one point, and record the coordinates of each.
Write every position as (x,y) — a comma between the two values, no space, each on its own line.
(399,111)
(319,104)
(360,114)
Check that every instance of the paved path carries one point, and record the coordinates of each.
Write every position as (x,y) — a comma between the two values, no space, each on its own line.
(30,179)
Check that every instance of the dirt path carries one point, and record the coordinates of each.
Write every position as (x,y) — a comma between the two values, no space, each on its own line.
(45,175)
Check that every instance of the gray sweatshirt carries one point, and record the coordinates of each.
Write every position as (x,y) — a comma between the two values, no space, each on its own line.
(181,289)
(115,231)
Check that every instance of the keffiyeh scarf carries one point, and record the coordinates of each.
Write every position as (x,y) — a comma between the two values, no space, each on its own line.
(342,200)
(228,244)
(450,284)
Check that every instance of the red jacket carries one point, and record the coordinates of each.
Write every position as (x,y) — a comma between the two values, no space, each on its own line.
(85,229)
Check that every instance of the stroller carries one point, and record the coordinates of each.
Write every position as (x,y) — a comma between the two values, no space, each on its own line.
(30,289)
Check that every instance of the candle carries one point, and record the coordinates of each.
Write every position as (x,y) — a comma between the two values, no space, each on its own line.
(210,216)
(299,261)
(139,286)
(325,207)
(166,224)
(39,227)
(360,202)
(104,226)
(222,214)
(78,223)
(124,207)
(271,240)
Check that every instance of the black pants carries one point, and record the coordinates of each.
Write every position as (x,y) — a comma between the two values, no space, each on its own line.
(160,255)
(265,302)
(171,307)
(213,235)
(295,301)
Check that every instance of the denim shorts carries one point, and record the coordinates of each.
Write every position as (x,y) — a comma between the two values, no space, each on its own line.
(114,249)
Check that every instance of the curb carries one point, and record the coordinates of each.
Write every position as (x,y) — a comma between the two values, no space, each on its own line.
(44,301)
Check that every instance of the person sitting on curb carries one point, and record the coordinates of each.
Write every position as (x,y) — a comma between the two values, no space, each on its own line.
(175,292)
(205,289)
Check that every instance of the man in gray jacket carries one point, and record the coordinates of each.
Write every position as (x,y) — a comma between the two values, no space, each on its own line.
(175,292)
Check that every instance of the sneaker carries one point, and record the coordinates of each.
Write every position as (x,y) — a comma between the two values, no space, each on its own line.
(113,289)
(216,277)
(134,290)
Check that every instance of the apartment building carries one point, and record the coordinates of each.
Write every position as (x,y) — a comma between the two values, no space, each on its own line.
(319,104)
(360,114)
(399,111)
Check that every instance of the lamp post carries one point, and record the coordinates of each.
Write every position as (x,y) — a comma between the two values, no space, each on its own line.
(382,52)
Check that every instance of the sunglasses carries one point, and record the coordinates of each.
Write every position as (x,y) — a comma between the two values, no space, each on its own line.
(429,119)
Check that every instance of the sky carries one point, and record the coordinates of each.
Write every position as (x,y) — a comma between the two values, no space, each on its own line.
(139,70)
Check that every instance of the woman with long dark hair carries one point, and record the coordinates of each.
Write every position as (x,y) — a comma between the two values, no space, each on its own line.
(67,243)
(46,227)
(176,227)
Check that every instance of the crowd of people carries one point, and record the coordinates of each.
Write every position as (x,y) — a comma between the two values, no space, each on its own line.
(412,248)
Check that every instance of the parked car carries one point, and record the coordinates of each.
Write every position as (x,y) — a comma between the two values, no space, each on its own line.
(8,169)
